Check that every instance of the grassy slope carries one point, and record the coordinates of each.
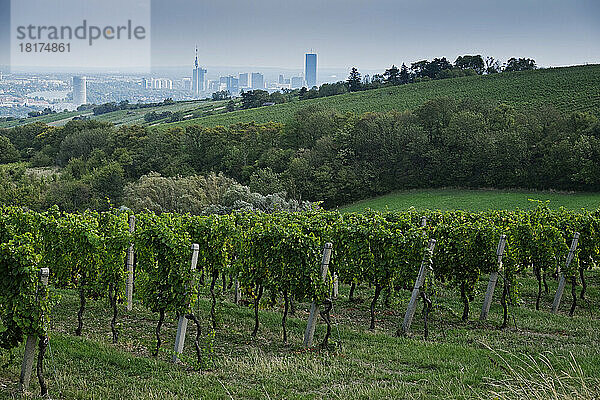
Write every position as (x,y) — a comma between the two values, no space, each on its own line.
(131,117)
(453,363)
(568,89)
(118,117)
(473,200)
(44,118)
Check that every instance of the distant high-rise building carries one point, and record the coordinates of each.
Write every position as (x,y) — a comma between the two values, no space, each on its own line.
(214,86)
(310,69)
(297,82)
(243,80)
(162,83)
(157,83)
(258,80)
(281,79)
(197,77)
(230,83)
(79,90)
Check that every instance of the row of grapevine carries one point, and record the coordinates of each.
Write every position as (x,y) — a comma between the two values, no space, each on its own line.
(273,253)
(24,300)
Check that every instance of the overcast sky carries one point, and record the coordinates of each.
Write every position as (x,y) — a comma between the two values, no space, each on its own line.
(372,34)
(369,34)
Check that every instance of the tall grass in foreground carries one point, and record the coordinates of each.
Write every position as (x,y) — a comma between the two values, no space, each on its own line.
(540,377)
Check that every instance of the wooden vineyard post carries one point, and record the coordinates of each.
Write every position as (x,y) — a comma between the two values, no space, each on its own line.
(182,323)
(335,286)
(561,281)
(423,271)
(30,345)
(489,294)
(130,255)
(237,295)
(314,307)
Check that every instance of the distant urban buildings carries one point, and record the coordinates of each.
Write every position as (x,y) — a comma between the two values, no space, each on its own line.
(243,81)
(297,82)
(310,70)
(187,84)
(197,77)
(214,86)
(79,90)
(229,83)
(157,83)
(162,83)
(199,86)
(258,80)
(283,81)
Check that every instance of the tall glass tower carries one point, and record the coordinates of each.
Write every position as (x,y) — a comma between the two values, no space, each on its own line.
(79,90)
(310,70)
(197,77)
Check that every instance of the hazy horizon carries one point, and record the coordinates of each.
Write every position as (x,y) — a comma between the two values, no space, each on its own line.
(371,35)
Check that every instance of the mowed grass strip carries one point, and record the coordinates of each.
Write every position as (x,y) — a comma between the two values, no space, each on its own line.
(474,200)
(454,362)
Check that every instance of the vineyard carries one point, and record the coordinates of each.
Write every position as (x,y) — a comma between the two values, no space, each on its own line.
(127,117)
(286,257)
(567,89)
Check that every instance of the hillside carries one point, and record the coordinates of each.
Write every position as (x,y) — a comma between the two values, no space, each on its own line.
(567,89)
(129,117)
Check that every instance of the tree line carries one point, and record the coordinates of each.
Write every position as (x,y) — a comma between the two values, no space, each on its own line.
(319,155)
(438,68)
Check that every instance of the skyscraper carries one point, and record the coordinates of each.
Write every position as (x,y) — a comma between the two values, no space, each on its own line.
(197,77)
(310,70)
(258,80)
(79,90)
(243,80)
(233,84)
(229,83)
